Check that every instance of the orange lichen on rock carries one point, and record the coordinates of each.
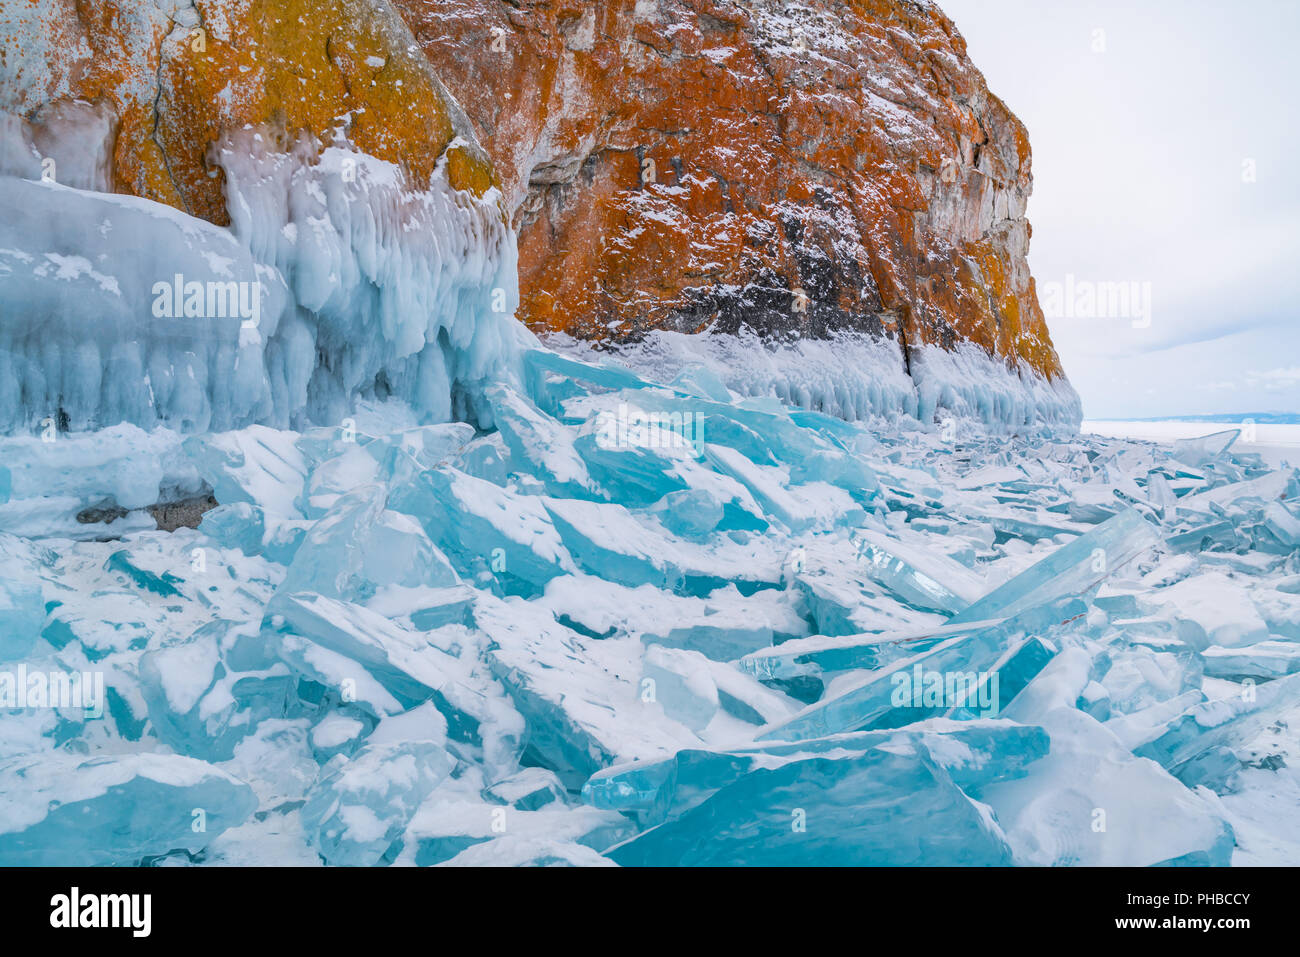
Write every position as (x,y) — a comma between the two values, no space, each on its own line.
(177,82)
(705,164)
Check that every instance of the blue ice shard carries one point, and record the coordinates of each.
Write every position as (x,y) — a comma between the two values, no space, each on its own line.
(822,654)
(976,672)
(406,666)
(974,753)
(1204,449)
(359,546)
(113,810)
(816,810)
(922,578)
(22,608)
(361,806)
(1224,722)
(485,529)
(539,442)
(1071,570)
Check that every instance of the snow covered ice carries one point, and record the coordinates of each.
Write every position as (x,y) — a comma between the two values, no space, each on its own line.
(381,579)
(814,641)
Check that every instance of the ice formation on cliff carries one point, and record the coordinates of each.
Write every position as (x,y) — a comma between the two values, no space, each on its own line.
(337,279)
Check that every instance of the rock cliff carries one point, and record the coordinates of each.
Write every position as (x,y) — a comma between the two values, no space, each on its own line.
(694,164)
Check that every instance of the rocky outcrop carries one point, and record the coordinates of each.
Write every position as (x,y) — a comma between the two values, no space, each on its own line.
(696,164)
(137,93)
(800,169)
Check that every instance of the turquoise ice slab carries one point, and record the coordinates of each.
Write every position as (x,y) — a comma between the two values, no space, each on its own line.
(634,476)
(361,806)
(924,579)
(359,546)
(22,615)
(1221,723)
(61,809)
(175,679)
(974,753)
(1282,524)
(1069,571)
(407,667)
(757,433)
(821,653)
(1204,449)
(239,525)
(1000,658)
(1192,540)
(873,807)
(540,443)
(484,527)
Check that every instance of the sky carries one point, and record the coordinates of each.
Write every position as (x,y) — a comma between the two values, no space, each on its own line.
(1166,158)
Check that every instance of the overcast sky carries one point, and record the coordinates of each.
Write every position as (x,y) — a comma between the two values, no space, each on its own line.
(1166,151)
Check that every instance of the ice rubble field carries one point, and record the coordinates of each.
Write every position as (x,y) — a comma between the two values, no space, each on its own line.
(573,640)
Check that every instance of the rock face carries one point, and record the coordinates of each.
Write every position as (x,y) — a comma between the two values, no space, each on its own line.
(148,88)
(706,163)
(800,169)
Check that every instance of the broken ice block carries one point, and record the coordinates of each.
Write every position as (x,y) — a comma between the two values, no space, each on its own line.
(540,442)
(240,525)
(974,753)
(724,624)
(61,809)
(679,681)
(829,811)
(359,546)
(611,542)
(634,475)
(821,654)
(528,789)
(1209,609)
(1204,449)
(1224,722)
(352,468)
(1071,570)
(922,578)
(401,454)
(842,599)
(22,608)
(958,675)
(580,697)
(1089,802)
(409,668)
(257,465)
(484,527)
(175,680)
(1261,661)
(361,806)
(1197,539)
(453,830)
(1282,524)
(1237,497)
(798,507)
